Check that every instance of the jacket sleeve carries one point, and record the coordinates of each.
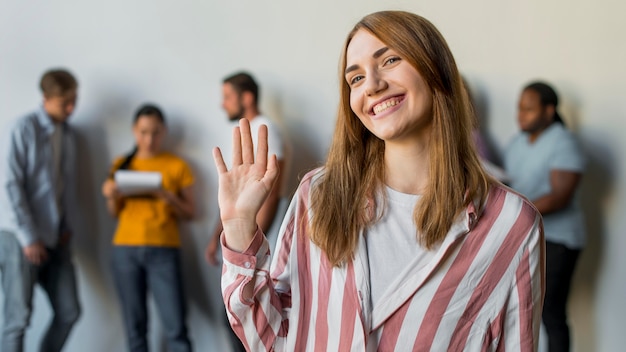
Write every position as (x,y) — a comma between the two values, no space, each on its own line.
(262,321)
(523,312)
(14,183)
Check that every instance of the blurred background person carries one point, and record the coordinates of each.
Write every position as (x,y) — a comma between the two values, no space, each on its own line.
(240,100)
(545,163)
(146,253)
(40,214)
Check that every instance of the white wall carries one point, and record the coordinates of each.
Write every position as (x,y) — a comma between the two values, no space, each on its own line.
(176,53)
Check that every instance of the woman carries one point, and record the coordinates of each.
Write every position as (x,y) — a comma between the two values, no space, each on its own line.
(146,243)
(545,164)
(401,241)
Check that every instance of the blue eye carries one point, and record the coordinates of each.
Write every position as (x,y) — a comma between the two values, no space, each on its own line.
(356,79)
(391,60)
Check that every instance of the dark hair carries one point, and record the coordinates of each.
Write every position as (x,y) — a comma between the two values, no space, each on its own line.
(547,96)
(244,82)
(57,82)
(145,110)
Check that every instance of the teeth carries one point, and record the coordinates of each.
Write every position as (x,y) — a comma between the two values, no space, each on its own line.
(385,105)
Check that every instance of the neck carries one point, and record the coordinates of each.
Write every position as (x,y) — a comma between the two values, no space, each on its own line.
(251,113)
(407,166)
(532,136)
(55,121)
(145,154)
(52,118)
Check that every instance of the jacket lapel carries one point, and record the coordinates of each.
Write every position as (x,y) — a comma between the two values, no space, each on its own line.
(416,276)
(362,276)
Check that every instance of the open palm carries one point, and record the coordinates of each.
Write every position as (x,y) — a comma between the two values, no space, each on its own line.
(244,188)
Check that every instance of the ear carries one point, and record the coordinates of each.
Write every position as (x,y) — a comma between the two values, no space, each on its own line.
(550,109)
(247,99)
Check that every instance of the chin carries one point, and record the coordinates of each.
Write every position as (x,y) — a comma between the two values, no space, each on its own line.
(526,129)
(62,118)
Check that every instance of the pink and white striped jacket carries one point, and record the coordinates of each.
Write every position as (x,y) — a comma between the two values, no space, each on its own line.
(483,290)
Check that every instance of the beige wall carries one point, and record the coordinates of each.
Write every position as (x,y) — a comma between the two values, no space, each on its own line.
(175,53)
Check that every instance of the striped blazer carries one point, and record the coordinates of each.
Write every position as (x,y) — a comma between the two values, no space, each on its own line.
(482,291)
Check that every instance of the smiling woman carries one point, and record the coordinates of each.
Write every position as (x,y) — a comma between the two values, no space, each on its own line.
(401,241)
(387,94)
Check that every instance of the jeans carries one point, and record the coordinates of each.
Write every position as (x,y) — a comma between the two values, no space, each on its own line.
(560,264)
(57,278)
(138,269)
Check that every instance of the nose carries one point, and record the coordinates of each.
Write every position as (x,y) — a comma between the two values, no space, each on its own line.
(375,84)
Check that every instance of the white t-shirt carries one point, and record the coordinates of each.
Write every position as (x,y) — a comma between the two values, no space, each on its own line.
(275,141)
(393,241)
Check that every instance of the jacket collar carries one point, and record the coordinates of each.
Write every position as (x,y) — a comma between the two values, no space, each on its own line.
(46,122)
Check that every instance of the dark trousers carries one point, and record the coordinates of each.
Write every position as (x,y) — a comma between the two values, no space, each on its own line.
(57,278)
(139,269)
(560,264)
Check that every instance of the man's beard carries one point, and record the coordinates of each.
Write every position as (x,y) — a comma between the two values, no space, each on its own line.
(238,115)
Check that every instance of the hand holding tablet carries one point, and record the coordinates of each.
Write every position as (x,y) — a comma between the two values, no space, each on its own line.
(132,183)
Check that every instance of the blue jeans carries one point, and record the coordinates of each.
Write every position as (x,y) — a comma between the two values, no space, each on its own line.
(57,278)
(139,269)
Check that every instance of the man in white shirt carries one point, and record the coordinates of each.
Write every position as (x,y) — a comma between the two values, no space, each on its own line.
(240,97)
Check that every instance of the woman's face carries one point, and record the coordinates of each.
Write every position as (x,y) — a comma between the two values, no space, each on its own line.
(387,93)
(149,132)
(532,116)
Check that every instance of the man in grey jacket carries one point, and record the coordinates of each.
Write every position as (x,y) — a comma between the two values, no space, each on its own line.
(38,205)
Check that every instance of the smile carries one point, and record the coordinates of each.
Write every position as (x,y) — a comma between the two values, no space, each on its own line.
(387,104)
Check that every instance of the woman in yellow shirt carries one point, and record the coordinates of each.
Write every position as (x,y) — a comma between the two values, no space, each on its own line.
(146,243)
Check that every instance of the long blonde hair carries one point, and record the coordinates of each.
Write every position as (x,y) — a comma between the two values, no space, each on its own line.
(354,170)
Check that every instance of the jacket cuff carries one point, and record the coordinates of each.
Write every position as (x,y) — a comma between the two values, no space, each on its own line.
(248,258)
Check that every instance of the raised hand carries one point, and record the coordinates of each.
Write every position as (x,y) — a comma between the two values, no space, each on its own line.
(244,188)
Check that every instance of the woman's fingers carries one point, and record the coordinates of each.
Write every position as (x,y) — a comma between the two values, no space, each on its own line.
(236,146)
(219,161)
(261,149)
(243,151)
(247,147)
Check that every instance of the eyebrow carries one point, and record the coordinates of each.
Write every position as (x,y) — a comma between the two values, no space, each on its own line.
(378,53)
